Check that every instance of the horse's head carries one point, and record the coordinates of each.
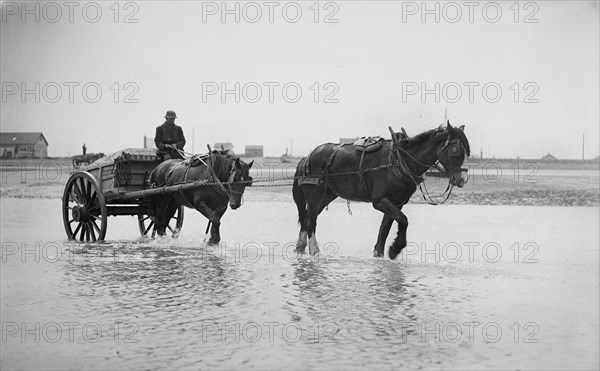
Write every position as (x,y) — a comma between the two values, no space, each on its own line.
(239,179)
(452,150)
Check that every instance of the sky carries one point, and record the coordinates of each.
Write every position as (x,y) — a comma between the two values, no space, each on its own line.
(523,77)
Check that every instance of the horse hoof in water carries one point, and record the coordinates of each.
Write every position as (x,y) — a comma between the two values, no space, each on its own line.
(377,254)
(213,242)
(393,254)
(301,247)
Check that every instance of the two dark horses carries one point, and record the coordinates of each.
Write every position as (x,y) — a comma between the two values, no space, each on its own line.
(386,178)
(226,178)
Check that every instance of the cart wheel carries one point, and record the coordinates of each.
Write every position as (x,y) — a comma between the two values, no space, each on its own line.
(146,223)
(84,208)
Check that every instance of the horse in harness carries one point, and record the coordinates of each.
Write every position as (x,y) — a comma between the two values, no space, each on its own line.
(224,179)
(385,173)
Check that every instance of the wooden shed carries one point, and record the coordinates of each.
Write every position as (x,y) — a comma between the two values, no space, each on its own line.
(23,145)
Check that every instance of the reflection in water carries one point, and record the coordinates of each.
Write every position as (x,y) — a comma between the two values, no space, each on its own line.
(136,282)
(171,296)
(362,300)
(178,304)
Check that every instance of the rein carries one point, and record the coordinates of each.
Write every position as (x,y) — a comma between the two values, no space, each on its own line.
(224,188)
(404,167)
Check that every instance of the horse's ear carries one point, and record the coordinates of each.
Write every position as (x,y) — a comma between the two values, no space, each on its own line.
(250,164)
(461,128)
(448,125)
(237,163)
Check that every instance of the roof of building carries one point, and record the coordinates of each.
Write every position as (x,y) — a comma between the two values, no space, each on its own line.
(549,157)
(254,146)
(21,138)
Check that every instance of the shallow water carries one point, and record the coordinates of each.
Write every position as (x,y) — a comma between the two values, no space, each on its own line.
(477,287)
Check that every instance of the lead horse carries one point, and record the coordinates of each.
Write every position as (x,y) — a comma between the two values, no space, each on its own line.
(386,177)
(226,178)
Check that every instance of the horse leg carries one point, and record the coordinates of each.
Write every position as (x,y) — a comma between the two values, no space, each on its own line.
(300,201)
(317,201)
(205,210)
(160,205)
(400,241)
(387,207)
(169,212)
(384,230)
(215,235)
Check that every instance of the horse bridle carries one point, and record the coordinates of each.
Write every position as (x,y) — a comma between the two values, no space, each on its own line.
(452,147)
(231,180)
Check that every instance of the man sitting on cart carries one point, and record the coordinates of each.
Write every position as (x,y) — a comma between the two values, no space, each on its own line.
(169,138)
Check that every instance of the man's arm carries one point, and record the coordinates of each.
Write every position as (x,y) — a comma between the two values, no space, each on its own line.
(181,142)
(158,140)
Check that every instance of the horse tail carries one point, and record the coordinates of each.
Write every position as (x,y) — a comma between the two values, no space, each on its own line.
(298,194)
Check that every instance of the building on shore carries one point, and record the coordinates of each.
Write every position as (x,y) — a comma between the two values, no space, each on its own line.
(254,151)
(549,158)
(23,145)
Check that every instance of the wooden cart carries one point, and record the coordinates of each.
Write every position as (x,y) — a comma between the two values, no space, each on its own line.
(117,184)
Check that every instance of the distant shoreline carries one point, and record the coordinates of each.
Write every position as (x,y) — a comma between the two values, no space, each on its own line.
(491,181)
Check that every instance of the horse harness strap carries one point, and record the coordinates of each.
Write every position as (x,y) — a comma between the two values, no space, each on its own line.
(360,171)
(218,185)
(430,201)
(452,146)
(402,169)
(419,181)
(323,177)
(360,176)
(188,164)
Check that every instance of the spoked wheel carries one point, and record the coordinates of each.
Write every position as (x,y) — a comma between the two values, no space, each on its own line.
(84,208)
(146,223)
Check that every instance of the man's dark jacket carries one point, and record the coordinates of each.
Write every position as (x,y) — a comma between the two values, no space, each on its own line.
(169,134)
